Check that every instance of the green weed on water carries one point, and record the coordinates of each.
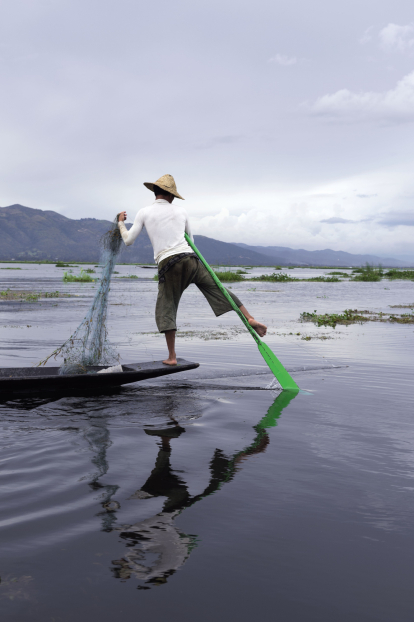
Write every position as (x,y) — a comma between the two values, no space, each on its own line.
(82,277)
(349,316)
(281,277)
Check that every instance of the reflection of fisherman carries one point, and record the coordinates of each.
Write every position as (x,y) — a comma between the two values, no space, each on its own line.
(178,266)
(157,535)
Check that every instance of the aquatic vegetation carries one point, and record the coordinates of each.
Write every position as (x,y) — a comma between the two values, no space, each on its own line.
(318,337)
(368,273)
(29,296)
(349,316)
(404,318)
(61,264)
(241,272)
(55,294)
(335,273)
(324,279)
(353,316)
(395,273)
(130,276)
(10,268)
(82,277)
(26,296)
(408,306)
(281,277)
(228,276)
(90,271)
(209,335)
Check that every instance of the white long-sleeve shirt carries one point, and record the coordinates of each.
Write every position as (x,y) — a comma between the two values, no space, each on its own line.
(165,224)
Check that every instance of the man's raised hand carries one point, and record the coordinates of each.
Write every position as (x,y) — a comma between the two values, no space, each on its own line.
(122,216)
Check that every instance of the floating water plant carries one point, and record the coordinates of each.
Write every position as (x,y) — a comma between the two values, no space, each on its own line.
(335,273)
(368,273)
(281,277)
(324,279)
(353,316)
(395,273)
(55,294)
(77,278)
(29,296)
(349,316)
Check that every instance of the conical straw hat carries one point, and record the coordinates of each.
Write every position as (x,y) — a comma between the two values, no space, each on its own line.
(166,182)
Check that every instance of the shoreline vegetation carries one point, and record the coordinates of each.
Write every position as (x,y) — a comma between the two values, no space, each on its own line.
(367,273)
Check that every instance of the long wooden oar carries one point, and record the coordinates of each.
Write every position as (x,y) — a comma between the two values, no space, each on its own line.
(283,377)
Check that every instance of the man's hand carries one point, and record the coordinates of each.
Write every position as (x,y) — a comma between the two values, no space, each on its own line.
(122,216)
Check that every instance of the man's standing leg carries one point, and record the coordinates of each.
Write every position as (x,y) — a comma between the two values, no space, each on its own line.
(170,339)
(176,281)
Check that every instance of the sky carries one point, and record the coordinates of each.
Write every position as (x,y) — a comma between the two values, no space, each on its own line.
(287,124)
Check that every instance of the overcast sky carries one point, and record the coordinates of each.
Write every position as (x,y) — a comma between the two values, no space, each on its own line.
(286,124)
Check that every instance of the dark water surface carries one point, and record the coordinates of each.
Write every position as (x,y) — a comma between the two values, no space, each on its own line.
(204,496)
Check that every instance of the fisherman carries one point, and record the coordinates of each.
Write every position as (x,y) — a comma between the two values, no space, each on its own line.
(178,265)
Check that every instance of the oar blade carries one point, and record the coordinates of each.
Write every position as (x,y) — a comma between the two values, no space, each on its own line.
(284,378)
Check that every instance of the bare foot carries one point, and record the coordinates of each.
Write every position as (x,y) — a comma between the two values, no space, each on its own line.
(260,329)
(170,361)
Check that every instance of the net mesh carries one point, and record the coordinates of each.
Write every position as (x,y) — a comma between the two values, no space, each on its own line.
(88,345)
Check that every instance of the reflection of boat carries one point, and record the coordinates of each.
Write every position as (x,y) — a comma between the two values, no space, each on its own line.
(25,381)
(155,547)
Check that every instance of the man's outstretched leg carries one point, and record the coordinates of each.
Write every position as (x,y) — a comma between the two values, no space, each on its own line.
(219,302)
(261,330)
(170,339)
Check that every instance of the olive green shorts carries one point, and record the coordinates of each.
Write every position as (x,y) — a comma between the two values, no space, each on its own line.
(186,271)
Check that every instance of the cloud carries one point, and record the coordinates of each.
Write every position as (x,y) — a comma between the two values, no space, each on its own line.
(285,61)
(395,37)
(397,219)
(396,105)
(336,220)
(366,196)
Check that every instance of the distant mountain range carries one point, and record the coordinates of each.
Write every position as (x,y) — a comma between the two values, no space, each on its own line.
(326,257)
(34,234)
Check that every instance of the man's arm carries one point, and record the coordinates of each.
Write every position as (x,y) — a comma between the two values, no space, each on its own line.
(130,236)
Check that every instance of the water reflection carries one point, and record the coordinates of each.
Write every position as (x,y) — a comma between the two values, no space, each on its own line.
(155,547)
(99,441)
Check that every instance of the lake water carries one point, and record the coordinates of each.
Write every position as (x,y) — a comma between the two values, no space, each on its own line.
(203,495)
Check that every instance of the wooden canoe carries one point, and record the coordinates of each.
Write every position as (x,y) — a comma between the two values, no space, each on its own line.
(29,381)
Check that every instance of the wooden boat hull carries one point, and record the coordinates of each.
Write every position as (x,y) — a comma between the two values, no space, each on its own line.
(30,381)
